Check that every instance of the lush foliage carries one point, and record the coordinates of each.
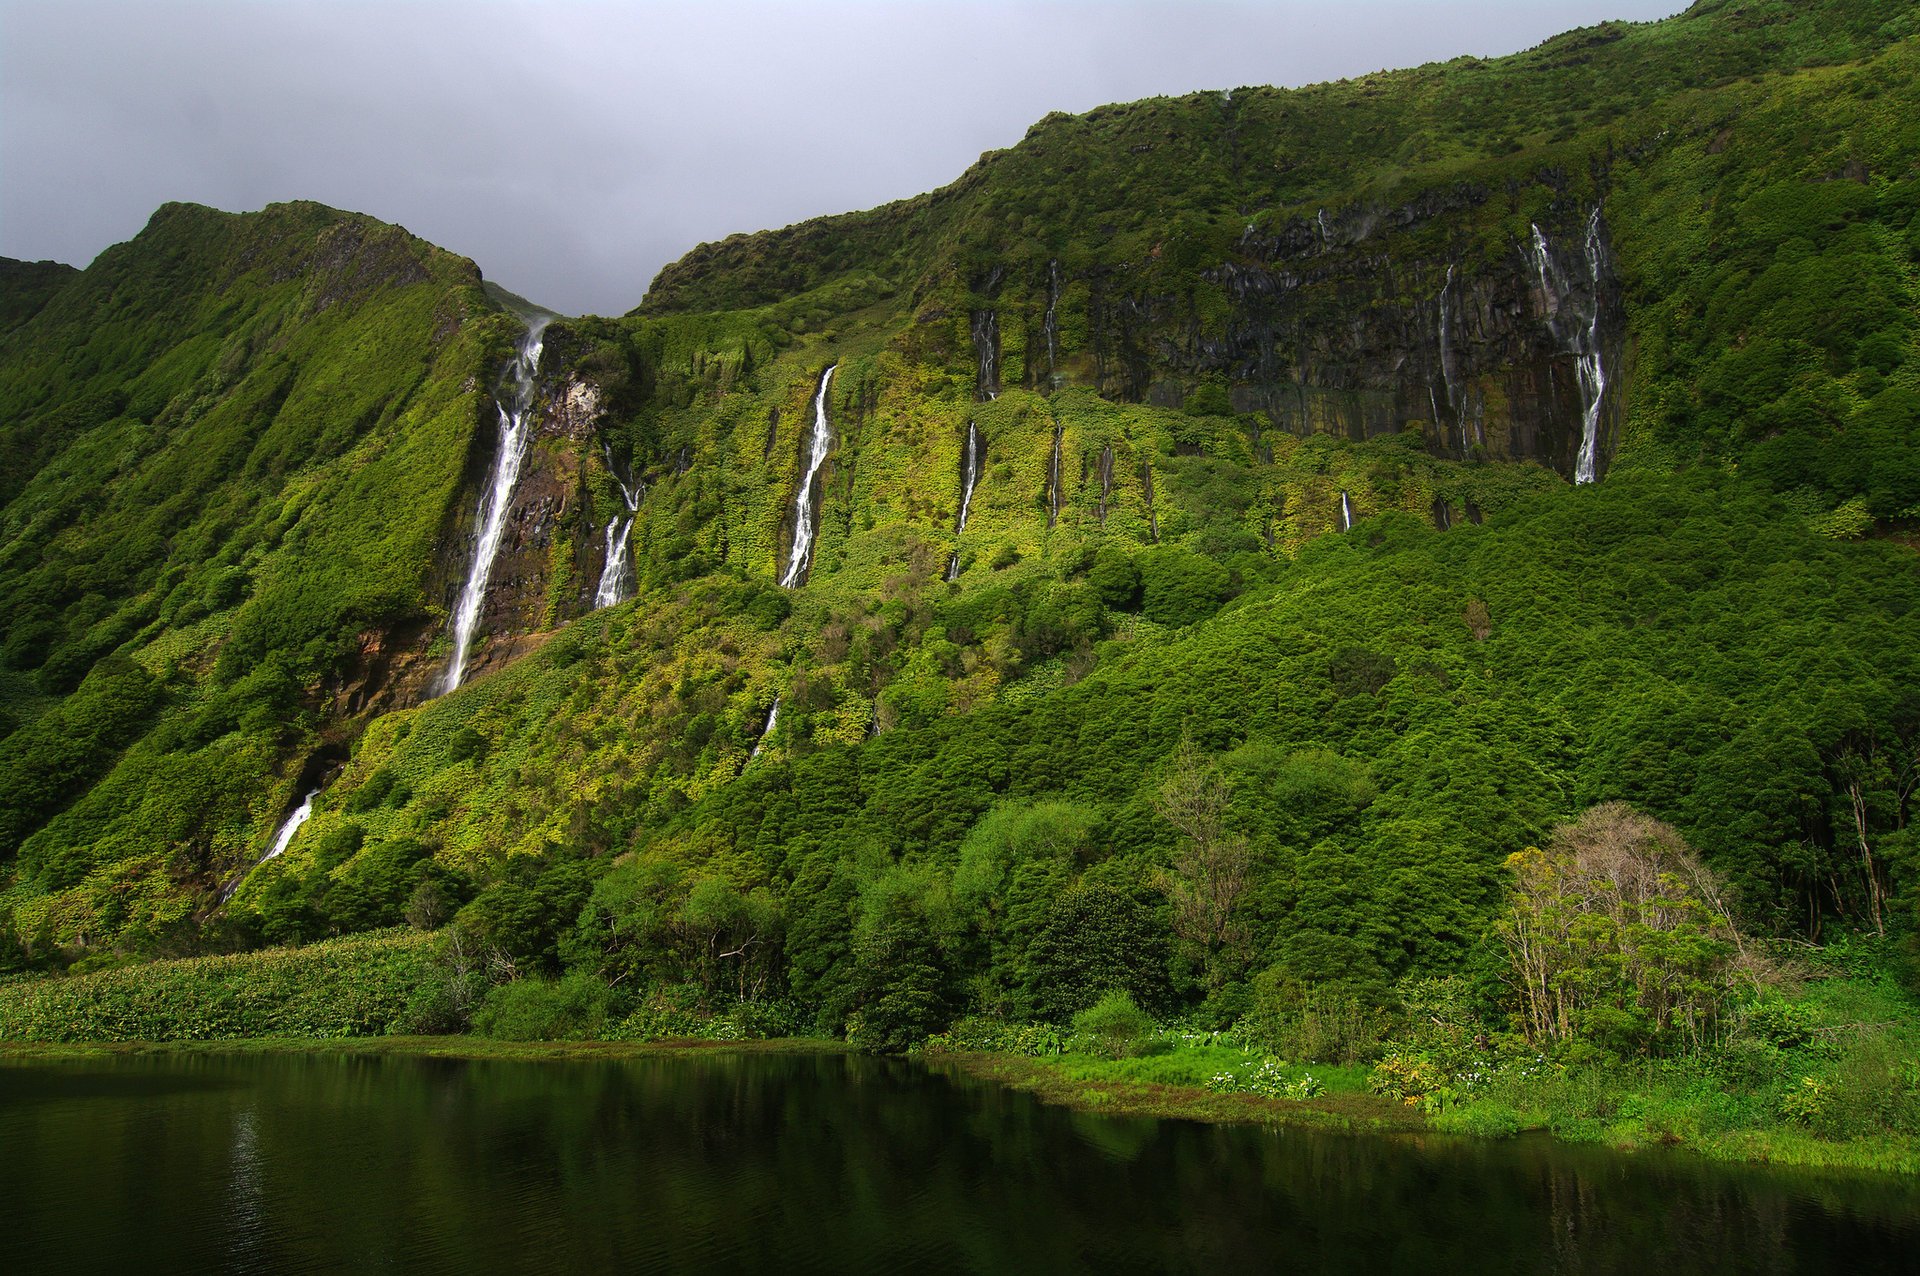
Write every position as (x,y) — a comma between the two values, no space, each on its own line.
(1147,754)
(365,984)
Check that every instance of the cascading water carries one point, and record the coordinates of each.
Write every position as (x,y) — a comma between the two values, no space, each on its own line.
(515,429)
(1153,518)
(1454,405)
(1575,324)
(282,839)
(986,354)
(806,503)
(1326,231)
(968,478)
(1346,511)
(766,732)
(616,578)
(1053,477)
(1052,327)
(1106,480)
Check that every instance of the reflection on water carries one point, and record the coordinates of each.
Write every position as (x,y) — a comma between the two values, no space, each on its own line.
(740,1162)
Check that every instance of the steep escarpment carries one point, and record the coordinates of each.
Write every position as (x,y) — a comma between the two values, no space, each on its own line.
(233,454)
(1296,249)
(1241,421)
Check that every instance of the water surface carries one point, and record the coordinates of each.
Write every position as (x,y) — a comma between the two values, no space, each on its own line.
(737,1162)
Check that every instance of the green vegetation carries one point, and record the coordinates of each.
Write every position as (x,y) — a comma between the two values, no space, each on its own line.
(1515,806)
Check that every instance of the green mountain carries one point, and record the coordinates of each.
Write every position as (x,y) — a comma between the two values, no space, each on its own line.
(1190,554)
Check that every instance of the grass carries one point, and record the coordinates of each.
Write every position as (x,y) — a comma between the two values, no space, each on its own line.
(1172,1086)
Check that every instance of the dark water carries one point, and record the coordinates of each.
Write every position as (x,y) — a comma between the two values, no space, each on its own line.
(765,1163)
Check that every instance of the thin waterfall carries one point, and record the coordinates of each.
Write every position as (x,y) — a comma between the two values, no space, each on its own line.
(1146,482)
(766,732)
(806,502)
(1454,405)
(282,839)
(616,577)
(986,355)
(1346,511)
(516,422)
(1593,373)
(1575,324)
(1053,477)
(1326,232)
(969,477)
(1106,480)
(1052,326)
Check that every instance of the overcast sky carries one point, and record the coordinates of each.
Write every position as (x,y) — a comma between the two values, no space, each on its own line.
(572,149)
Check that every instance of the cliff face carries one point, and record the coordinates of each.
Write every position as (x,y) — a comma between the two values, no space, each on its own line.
(1347,325)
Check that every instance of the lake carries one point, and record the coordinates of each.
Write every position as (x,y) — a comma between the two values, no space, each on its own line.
(792,1163)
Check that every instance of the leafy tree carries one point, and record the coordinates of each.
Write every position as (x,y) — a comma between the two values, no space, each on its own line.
(1617,932)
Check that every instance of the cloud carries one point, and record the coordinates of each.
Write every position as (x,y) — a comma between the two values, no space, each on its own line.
(574,149)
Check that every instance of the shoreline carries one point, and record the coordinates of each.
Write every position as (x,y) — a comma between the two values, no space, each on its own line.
(1344,1112)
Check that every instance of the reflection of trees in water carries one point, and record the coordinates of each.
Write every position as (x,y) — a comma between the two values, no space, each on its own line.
(776,1162)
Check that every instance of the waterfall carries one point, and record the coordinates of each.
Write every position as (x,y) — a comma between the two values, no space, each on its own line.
(291,825)
(1053,477)
(1052,327)
(806,503)
(1575,324)
(766,732)
(515,428)
(986,353)
(1346,511)
(969,477)
(1593,373)
(282,839)
(1146,481)
(1326,232)
(1442,514)
(616,577)
(1446,357)
(1106,480)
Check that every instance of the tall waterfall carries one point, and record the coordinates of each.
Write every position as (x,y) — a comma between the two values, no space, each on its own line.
(986,354)
(616,578)
(969,477)
(1146,483)
(1053,477)
(1346,511)
(806,502)
(1454,405)
(766,732)
(1052,325)
(1575,323)
(516,426)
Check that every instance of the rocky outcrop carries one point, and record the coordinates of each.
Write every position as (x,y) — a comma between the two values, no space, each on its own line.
(1343,324)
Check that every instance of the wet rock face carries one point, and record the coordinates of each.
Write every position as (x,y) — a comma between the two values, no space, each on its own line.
(543,574)
(1337,324)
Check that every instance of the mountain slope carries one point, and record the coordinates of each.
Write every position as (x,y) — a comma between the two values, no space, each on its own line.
(1157,358)
(234,449)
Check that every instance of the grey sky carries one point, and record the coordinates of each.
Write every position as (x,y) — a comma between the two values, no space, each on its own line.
(572,149)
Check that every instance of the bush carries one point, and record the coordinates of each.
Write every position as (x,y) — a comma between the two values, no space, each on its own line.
(1323,1023)
(1113,1026)
(994,1036)
(572,1008)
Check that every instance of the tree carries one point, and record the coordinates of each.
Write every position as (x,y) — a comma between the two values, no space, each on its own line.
(1208,877)
(1616,931)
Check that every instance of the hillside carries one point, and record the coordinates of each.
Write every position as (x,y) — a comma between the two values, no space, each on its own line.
(1331,493)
